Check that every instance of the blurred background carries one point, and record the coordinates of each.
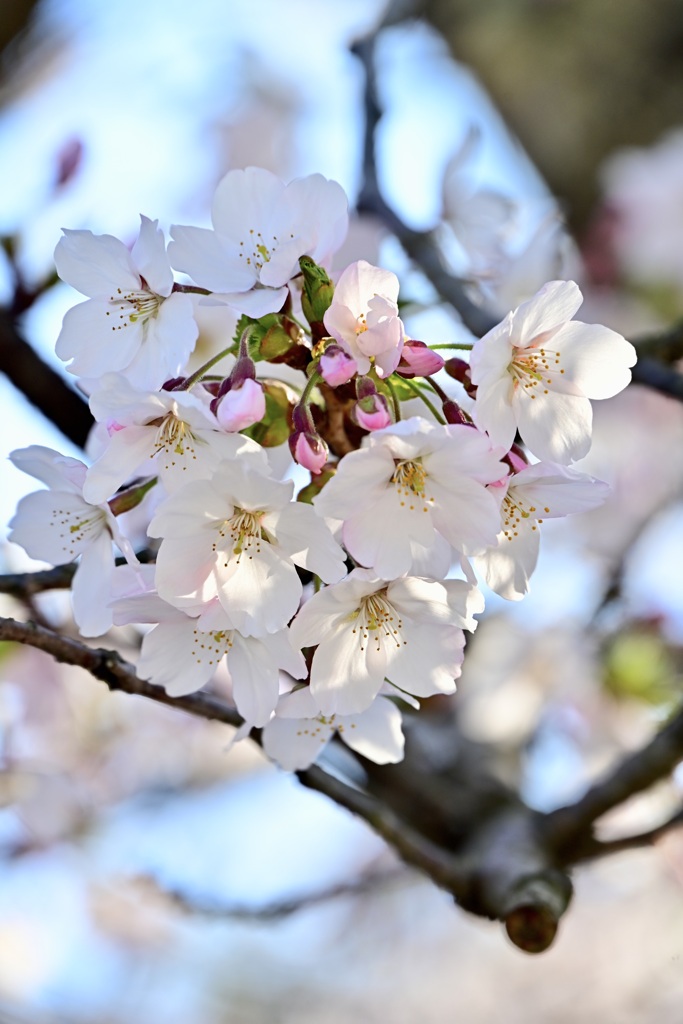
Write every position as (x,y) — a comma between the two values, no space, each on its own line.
(148,874)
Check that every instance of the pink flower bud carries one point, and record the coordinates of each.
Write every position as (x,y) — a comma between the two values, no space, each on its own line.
(337,366)
(242,406)
(418,360)
(309,450)
(372,412)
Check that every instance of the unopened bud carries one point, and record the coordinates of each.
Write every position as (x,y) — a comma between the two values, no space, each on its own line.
(459,370)
(337,366)
(309,450)
(418,360)
(372,412)
(454,414)
(241,406)
(318,291)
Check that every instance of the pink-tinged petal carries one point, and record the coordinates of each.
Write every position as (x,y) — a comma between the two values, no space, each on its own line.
(255,679)
(507,568)
(177,656)
(247,200)
(376,733)
(336,366)
(309,450)
(150,257)
(341,323)
(493,411)
(185,571)
(94,341)
(553,305)
(429,659)
(259,593)
(382,540)
(295,743)
(322,205)
(372,413)
(492,354)
(242,406)
(56,526)
(360,282)
(129,450)
(200,253)
(90,589)
(596,359)
(555,427)
(95,265)
(432,602)
(255,303)
(347,671)
(60,472)
(556,491)
(305,537)
(283,264)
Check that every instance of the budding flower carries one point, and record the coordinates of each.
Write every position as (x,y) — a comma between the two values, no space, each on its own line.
(372,412)
(418,360)
(317,291)
(309,450)
(459,370)
(241,406)
(337,366)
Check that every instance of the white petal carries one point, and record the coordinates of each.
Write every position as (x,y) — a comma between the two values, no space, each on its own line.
(429,660)
(95,265)
(127,452)
(255,679)
(553,305)
(56,526)
(260,593)
(94,341)
(376,733)
(172,657)
(91,586)
(433,602)
(595,358)
(555,427)
(60,472)
(295,743)
(200,253)
(150,258)
(307,540)
(507,568)
(347,671)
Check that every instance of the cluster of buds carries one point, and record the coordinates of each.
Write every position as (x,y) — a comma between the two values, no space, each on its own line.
(249,575)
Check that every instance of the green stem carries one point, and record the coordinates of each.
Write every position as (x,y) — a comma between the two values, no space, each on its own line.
(312,382)
(420,394)
(437,389)
(462,345)
(396,405)
(195,377)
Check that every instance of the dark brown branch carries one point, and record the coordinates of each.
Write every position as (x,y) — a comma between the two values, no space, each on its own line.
(421,246)
(568,826)
(603,848)
(41,385)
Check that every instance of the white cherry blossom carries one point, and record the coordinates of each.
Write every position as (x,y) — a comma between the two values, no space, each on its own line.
(408,631)
(238,537)
(58,525)
(414,494)
(132,321)
(299,733)
(261,227)
(536,371)
(363,317)
(169,434)
(542,491)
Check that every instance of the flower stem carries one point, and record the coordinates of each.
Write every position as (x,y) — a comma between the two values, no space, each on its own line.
(195,377)
(467,346)
(430,405)
(396,405)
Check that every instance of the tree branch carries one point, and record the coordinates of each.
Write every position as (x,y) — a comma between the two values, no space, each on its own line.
(569,827)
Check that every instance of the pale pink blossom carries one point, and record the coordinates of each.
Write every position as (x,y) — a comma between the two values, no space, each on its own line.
(418,360)
(413,496)
(536,371)
(261,227)
(539,492)
(133,321)
(242,406)
(298,733)
(336,366)
(238,537)
(58,525)
(364,318)
(408,631)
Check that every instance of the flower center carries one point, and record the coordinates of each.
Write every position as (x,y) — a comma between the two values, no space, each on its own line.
(361,324)
(410,480)
(378,621)
(256,250)
(77,528)
(534,368)
(516,511)
(211,647)
(174,438)
(241,534)
(131,307)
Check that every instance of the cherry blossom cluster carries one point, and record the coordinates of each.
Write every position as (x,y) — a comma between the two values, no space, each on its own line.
(337,592)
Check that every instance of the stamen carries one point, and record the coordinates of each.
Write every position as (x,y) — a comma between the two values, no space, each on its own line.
(378,620)
(211,647)
(410,480)
(241,534)
(131,307)
(174,438)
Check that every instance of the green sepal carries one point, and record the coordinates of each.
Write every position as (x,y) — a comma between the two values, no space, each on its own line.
(317,292)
